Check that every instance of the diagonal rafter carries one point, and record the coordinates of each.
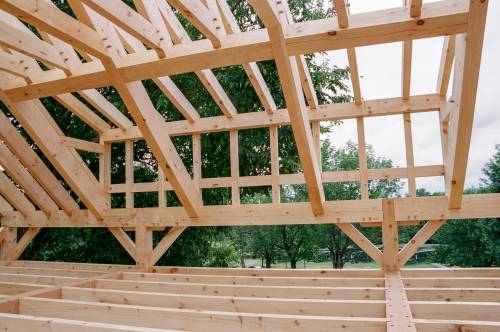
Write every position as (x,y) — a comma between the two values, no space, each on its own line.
(165,243)
(289,78)
(423,235)
(35,165)
(14,196)
(206,76)
(26,181)
(199,15)
(362,241)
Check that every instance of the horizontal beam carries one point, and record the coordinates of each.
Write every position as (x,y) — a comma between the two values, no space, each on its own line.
(351,211)
(390,25)
(328,112)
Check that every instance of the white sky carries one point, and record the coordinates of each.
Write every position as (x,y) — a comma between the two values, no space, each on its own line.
(380,72)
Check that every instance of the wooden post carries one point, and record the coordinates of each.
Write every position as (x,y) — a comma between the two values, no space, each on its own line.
(143,244)
(8,245)
(390,236)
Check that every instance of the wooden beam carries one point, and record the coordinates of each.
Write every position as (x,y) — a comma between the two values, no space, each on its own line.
(399,315)
(165,243)
(8,245)
(415,8)
(275,164)
(392,25)
(467,64)
(363,166)
(75,106)
(143,245)
(10,64)
(4,205)
(199,15)
(36,167)
(24,241)
(127,243)
(46,16)
(106,108)
(424,234)
(410,162)
(289,78)
(406,69)
(390,238)
(447,55)
(362,242)
(82,145)
(24,179)
(30,45)
(342,13)
(14,196)
(34,118)
(327,112)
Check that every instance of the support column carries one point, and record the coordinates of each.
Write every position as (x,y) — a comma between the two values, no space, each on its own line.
(9,243)
(143,244)
(390,238)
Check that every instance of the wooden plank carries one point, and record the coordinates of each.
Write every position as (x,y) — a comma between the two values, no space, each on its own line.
(106,108)
(129,20)
(83,112)
(446,65)
(399,315)
(363,166)
(8,245)
(34,118)
(129,173)
(25,240)
(49,18)
(451,272)
(452,282)
(289,78)
(406,69)
(199,15)
(363,242)
(275,167)
(426,325)
(14,196)
(342,13)
(353,68)
(454,294)
(415,7)
(31,46)
(124,240)
(235,166)
(391,25)
(356,308)
(4,206)
(424,234)
(143,245)
(24,179)
(328,112)
(14,322)
(11,65)
(82,145)
(475,311)
(165,243)
(410,161)
(49,271)
(467,64)
(390,236)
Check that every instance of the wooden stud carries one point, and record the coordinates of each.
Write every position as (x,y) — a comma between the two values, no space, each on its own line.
(363,166)
(410,163)
(275,167)
(446,65)
(235,167)
(14,196)
(129,173)
(390,237)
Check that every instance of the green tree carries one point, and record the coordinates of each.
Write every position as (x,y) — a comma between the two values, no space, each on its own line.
(340,246)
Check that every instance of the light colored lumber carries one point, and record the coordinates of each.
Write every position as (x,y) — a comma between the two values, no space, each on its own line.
(199,15)
(106,108)
(390,238)
(10,64)
(466,75)
(466,294)
(399,315)
(438,325)
(410,161)
(452,282)
(125,241)
(165,243)
(447,55)
(292,91)
(8,245)
(82,145)
(15,196)
(328,112)
(83,112)
(135,24)
(406,68)
(48,17)
(275,167)
(415,7)
(424,234)
(25,240)
(475,311)
(34,118)
(390,25)
(24,179)
(363,242)
(5,206)
(363,166)
(235,166)
(129,173)
(356,308)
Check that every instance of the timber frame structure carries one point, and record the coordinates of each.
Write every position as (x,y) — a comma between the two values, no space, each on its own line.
(107,43)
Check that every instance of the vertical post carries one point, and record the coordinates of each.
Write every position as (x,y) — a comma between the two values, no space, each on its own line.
(235,167)
(162,201)
(390,237)
(8,245)
(410,162)
(129,173)
(143,244)
(316,132)
(275,167)
(363,167)
(197,160)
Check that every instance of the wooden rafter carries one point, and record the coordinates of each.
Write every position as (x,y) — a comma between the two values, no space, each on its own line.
(445,67)
(289,78)
(424,234)
(24,179)
(466,75)
(14,196)
(365,29)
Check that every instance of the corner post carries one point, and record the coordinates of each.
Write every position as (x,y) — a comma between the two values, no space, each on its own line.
(8,245)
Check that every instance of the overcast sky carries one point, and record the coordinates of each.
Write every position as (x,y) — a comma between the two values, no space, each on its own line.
(380,72)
